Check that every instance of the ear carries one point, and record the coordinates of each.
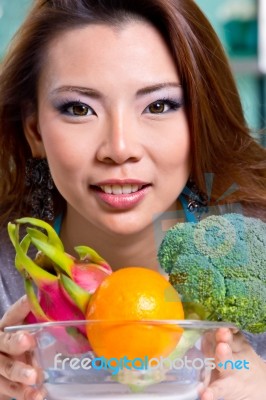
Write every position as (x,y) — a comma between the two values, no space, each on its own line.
(32,133)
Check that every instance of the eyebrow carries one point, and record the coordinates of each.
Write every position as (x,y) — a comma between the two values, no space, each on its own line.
(97,95)
(156,87)
(83,90)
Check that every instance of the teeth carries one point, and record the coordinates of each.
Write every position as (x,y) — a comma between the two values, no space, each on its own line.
(127,189)
(116,189)
(107,189)
(134,188)
(120,189)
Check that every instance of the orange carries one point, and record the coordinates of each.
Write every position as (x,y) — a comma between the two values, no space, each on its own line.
(134,294)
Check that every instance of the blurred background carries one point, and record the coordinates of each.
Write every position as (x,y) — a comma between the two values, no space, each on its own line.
(241,26)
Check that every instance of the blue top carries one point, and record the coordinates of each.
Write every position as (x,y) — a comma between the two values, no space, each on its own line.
(58,223)
(190,216)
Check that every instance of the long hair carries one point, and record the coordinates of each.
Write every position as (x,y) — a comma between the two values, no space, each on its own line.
(220,139)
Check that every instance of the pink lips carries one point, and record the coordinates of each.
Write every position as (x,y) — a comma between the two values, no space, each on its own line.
(122,201)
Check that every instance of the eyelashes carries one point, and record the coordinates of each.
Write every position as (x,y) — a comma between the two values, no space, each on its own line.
(75,109)
(163,106)
(79,109)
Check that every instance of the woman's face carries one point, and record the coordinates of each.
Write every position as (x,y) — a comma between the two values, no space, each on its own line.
(112,125)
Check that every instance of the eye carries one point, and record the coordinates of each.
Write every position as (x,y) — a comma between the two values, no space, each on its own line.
(76,109)
(157,107)
(80,109)
(162,106)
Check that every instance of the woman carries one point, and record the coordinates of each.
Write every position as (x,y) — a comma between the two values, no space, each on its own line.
(127,101)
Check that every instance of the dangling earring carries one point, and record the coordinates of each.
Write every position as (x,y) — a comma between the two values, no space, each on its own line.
(197,200)
(38,178)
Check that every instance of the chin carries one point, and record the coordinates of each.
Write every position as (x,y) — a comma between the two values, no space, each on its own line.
(126,226)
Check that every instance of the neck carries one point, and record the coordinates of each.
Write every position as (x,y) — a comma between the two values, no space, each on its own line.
(118,250)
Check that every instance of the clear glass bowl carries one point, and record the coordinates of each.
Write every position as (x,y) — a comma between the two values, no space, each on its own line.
(72,370)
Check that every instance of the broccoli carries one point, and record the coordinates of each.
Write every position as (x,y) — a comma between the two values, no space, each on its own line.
(218,266)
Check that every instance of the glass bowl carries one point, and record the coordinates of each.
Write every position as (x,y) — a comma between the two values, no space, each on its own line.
(72,368)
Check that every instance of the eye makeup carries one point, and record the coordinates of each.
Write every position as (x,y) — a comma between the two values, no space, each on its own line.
(73,108)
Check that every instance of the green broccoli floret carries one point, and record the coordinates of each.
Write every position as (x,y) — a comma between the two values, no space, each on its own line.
(218,266)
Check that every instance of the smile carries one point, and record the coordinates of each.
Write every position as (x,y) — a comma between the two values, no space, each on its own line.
(121,189)
(121,196)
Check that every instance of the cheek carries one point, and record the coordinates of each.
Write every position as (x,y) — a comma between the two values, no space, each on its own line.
(68,172)
(65,149)
(62,157)
(174,151)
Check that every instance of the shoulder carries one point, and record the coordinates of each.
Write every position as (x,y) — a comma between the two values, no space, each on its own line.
(258,342)
(11,282)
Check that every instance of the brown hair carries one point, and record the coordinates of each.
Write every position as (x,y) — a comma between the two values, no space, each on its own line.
(220,139)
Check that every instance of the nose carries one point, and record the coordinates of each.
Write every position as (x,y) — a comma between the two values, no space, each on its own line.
(120,141)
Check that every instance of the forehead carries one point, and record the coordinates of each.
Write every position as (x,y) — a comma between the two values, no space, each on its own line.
(132,48)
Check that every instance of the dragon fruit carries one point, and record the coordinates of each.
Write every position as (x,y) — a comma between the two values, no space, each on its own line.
(64,283)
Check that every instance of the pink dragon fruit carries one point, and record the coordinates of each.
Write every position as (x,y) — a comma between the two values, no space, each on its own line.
(64,284)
